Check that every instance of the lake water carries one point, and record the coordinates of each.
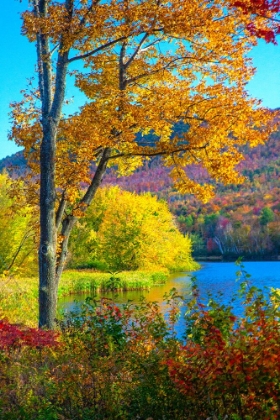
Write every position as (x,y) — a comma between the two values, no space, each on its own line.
(217,278)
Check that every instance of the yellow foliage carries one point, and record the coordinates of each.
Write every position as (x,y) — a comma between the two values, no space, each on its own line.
(148,65)
(134,232)
(275,298)
(17,230)
(143,67)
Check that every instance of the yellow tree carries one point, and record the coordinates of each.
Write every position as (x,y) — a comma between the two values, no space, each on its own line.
(144,65)
(125,231)
(17,229)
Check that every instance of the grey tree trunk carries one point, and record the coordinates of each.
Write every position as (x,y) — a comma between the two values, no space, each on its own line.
(48,233)
(51,114)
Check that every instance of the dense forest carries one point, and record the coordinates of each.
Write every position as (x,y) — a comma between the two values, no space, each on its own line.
(241,220)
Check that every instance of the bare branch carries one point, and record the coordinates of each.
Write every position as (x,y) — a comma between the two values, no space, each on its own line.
(96,50)
(54,49)
(22,242)
(70,220)
(137,51)
(60,210)
(97,179)
(156,41)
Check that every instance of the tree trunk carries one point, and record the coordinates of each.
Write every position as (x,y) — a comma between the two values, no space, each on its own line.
(52,101)
(48,232)
(69,221)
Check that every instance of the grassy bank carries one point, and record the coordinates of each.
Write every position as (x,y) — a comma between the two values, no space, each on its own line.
(74,282)
(19,296)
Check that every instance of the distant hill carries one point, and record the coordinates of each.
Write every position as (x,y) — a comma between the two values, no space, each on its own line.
(13,164)
(240,220)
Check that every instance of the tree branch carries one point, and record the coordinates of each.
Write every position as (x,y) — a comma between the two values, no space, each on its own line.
(97,179)
(43,54)
(86,200)
(60,210)
(158,153)
(25,237)
(84,19)
(96,50)
(137,50)
(164,67)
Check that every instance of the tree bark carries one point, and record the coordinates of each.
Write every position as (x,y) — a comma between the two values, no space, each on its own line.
(69,221)
(48,232)
(51,114)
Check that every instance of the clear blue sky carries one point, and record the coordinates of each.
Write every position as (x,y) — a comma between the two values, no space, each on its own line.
(18,64)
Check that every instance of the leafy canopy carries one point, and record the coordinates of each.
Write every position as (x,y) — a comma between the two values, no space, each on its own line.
(147,65)
(125,231)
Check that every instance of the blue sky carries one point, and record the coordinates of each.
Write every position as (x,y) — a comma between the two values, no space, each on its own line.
(18,64)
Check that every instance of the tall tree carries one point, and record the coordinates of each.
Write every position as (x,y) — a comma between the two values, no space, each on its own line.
(148,64)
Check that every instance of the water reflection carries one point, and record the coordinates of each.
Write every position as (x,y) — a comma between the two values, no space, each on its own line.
(181,281)
(219,279)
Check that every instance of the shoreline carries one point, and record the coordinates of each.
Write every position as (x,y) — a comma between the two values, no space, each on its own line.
(219,258)
(86,281)
(19,295)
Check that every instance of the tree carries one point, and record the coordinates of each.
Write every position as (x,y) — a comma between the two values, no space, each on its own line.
(147,65)
(266,216)
(17,230)
(125,231)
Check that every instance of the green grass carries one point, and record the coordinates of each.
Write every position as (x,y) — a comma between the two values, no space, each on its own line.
(19,300)
(74,281)
(19,296)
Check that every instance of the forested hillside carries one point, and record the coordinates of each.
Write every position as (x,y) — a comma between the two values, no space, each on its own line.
(240,220)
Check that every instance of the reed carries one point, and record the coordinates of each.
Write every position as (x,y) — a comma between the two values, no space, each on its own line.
(85,282)
(19,296)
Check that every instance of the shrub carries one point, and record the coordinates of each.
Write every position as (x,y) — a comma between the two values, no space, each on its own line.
(230,366)
(127,363)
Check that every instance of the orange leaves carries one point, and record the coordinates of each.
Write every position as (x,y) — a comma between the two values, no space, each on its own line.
(188,186)
(148,66)
(145,66)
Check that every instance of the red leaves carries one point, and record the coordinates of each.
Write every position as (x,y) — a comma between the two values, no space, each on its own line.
(260,7)
(267,35)
(14,336)
(244,368)
(263,8)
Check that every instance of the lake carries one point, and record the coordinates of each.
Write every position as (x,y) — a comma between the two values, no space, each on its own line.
(217,278)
